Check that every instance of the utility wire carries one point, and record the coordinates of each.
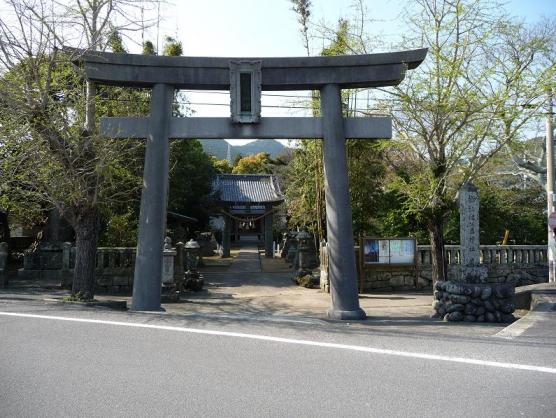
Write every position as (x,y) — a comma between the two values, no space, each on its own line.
(366,111)
(185,102)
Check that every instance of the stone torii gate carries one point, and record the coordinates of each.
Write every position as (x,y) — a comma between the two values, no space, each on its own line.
(246,78)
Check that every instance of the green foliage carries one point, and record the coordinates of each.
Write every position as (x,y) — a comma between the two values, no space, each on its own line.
(237,158)
(366,175)
(466,101)
(191,172)
(221,166)
(304,177)
(341,44)
(260,163)
(303,182)
(461,107)
(302,8)
(120,230)
(306,279)
(115,42)
(47,160)
(521,211)
(172,47)
(76,297)
(148,48)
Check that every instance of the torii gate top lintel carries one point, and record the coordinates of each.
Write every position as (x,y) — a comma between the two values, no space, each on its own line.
(288,73)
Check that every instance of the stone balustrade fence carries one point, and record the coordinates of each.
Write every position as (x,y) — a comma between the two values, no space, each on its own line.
(114,266)
(517,264)
(490,254)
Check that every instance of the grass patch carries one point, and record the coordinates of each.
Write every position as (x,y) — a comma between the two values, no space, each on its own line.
(76,297)
(306,279)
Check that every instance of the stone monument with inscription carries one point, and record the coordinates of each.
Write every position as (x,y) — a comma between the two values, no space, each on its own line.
(471,270)
(472,298)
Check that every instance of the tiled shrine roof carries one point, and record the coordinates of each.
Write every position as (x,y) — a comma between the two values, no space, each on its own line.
(247,188)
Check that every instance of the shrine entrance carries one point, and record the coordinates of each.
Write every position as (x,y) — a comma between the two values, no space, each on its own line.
(247,203)
(246,227)
(246,78)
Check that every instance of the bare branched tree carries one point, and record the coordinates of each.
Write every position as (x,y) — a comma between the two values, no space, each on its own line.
(52,154)
(478,91)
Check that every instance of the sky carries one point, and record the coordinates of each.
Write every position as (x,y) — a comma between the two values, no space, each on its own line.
(265,28)
(250,28)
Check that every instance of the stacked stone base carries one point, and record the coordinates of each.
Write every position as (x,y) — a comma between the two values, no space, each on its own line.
(456,301)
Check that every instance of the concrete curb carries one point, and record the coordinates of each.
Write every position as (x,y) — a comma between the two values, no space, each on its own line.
(110,304)
(540,299)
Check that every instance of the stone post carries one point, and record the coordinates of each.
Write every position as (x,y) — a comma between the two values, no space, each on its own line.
(66,255)
(342,269)
(152,218)
(66,266)
(226,238)
(3,264)
(169,256)
(324,284)
(178,267)
(470,254)
(268,233)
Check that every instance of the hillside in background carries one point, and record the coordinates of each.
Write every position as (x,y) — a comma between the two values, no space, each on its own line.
(219,148)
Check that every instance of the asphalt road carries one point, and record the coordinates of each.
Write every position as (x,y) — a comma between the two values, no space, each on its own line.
(58,361)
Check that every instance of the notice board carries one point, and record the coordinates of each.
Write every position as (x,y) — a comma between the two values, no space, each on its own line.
(388,251)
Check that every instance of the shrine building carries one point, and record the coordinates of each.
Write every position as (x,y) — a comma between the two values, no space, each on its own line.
(247,202)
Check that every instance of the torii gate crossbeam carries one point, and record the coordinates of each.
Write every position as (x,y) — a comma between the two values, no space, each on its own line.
(327,74)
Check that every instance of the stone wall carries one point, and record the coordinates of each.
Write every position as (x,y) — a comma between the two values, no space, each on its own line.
(468,302)
(519,265)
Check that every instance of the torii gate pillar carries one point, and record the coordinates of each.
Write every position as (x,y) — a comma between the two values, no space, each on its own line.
(152,217)
(341,267)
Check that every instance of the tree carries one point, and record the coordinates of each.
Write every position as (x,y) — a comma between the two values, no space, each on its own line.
(260,163)
(52,153)
(4,227)
(518,210)
(221,166)
(462,105)
(302,9)
(191,171)
(148,48)
(172,47)
(304,178)
(476,93)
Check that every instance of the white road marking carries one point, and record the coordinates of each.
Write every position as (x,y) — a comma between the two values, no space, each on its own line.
(295,341)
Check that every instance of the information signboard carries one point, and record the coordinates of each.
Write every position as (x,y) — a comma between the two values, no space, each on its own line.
(388,251)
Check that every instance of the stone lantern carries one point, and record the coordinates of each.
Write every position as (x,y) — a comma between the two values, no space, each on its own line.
(303,248)
(303,275)
(192,278)
(168,262)
(169,292)
(291,251)
(192,250)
